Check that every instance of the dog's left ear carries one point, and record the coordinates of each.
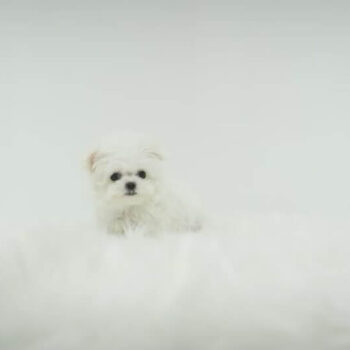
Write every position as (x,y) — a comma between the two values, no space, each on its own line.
(154,152)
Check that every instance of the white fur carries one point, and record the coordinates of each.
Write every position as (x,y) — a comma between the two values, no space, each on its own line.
(158,205)
(265,283)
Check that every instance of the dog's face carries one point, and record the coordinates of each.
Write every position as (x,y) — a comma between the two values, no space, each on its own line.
(127,173)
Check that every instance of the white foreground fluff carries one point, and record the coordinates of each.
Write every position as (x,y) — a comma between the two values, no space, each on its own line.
(265,283)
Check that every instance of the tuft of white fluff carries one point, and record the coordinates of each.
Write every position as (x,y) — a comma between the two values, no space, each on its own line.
(260,283)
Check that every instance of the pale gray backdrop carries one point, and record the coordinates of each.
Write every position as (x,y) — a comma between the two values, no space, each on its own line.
(251,98)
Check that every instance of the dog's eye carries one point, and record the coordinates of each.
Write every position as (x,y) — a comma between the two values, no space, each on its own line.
(142,174)
(115,176)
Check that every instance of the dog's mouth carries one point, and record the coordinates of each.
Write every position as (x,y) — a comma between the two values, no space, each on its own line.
(131,193)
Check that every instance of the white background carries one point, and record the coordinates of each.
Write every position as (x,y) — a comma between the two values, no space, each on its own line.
(251,98)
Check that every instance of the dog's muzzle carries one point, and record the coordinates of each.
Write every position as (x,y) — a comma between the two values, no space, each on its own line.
(130,189)
(130,193)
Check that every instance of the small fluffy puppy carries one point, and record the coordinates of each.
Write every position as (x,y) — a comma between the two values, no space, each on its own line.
(133,191)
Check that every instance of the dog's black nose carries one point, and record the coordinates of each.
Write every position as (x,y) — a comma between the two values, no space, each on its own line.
(130,185)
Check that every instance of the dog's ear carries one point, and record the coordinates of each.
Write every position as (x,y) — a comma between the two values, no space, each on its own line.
(154,152)
(91,160)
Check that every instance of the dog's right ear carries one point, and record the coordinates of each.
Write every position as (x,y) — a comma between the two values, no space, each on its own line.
(91,160)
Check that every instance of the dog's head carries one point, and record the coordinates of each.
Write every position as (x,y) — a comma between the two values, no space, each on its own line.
(126,169)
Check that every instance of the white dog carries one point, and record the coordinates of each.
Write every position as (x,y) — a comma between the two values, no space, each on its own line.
(133,192)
